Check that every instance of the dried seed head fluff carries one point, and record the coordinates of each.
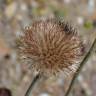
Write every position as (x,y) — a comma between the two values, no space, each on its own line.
(51,46)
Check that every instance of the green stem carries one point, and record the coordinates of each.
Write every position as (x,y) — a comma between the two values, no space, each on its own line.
(37,77)
(80,67)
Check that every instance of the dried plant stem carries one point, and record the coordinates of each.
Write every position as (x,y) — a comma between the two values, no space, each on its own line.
(37,77)
(80,67)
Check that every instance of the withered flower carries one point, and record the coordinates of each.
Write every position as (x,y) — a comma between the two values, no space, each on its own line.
(51,46)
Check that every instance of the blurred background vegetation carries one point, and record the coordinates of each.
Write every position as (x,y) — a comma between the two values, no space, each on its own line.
(15,15)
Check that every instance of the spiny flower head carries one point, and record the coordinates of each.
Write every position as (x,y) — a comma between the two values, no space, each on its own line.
(50,46)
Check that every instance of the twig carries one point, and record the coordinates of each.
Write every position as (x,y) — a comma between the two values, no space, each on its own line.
(80,67)
(37,77)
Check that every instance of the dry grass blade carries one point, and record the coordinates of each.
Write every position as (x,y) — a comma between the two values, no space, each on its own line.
(79,68)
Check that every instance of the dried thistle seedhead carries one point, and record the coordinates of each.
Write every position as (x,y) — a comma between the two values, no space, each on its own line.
(51,46)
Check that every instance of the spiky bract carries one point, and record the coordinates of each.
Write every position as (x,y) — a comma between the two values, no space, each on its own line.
(51,46)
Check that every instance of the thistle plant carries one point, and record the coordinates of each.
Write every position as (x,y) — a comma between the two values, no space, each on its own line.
(50,47)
